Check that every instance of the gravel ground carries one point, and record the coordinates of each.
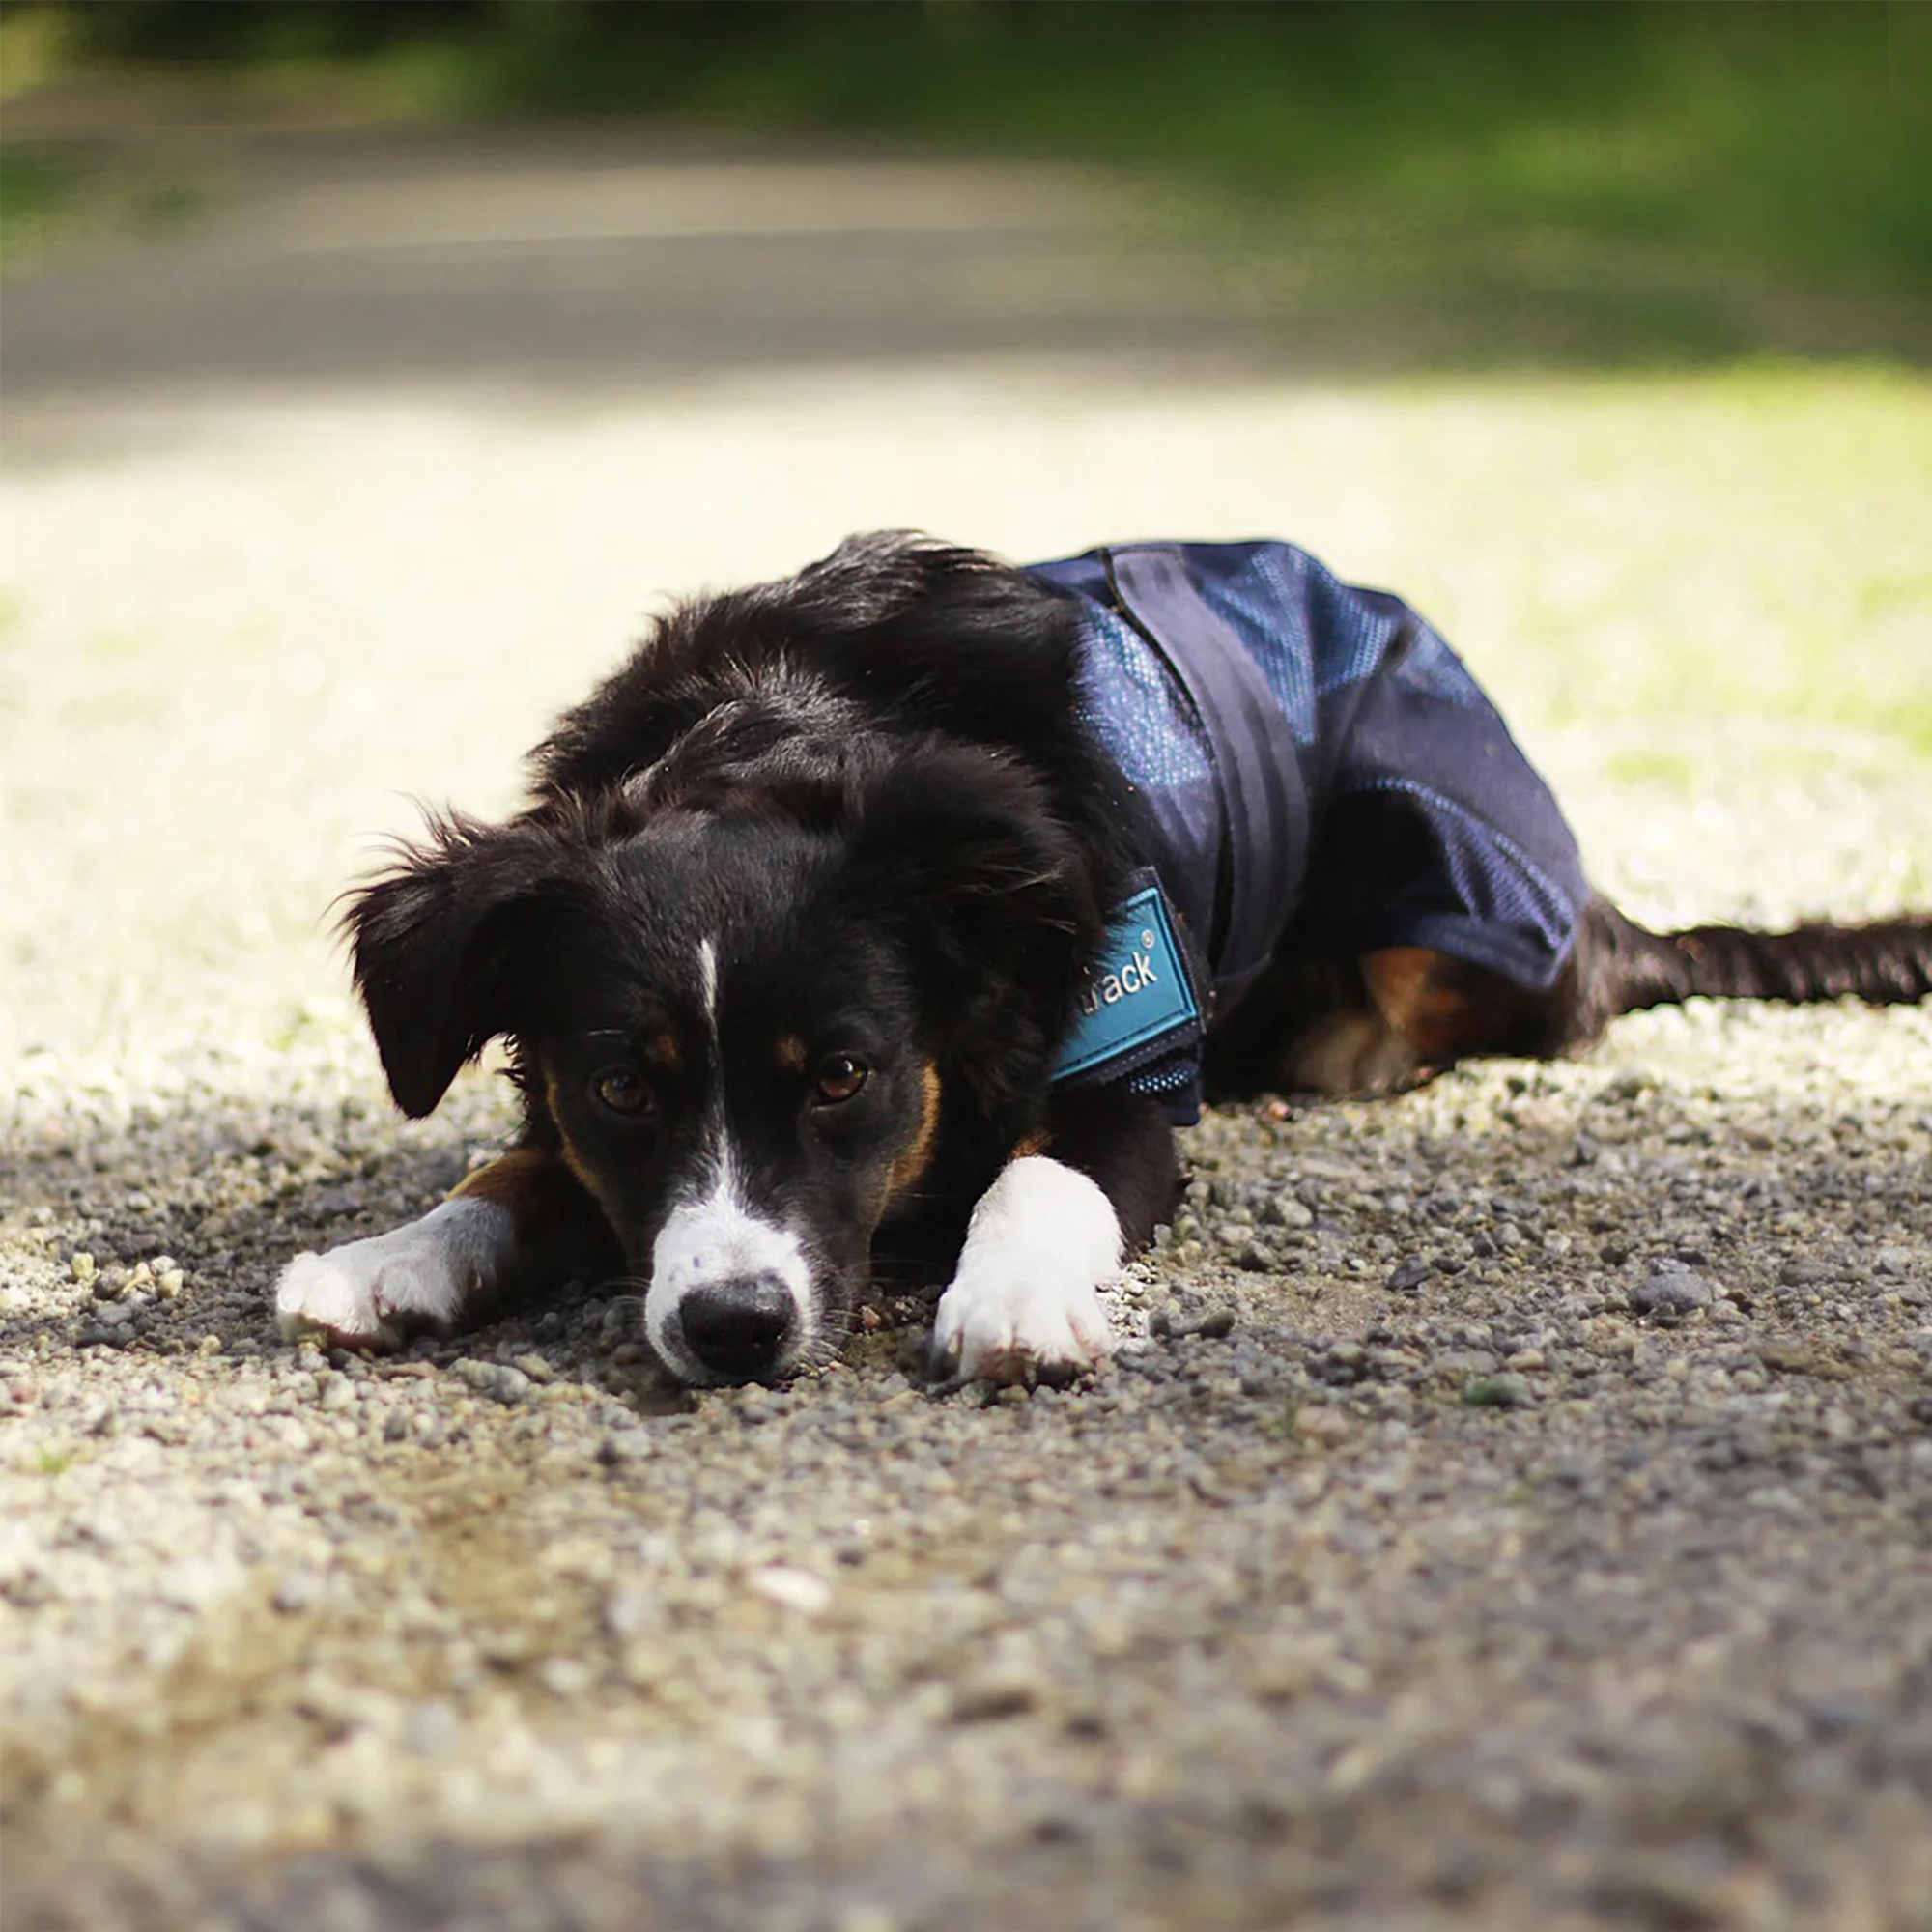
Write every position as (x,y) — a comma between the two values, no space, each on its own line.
(1512,1507)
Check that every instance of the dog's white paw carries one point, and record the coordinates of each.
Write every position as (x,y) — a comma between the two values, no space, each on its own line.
(334,1296)
(1024,1304)
(1023,1324)
(377,1292)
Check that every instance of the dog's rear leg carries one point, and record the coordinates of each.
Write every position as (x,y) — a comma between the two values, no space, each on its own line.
(522,1223)
(1440,1009)
(1373,1024)
(1390,1018)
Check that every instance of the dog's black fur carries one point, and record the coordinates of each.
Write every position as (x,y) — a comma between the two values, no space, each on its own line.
(830,857)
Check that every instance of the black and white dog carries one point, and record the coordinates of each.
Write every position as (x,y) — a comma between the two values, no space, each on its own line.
(882,924)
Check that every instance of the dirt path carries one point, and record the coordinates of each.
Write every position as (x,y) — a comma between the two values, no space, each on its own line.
(1546,1543)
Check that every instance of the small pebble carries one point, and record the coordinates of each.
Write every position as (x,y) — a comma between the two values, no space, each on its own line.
(1284,1210)
(624,1446)
(1173,1322)
(565,1677)
(1503,1391)
(1804,1272)
(1675,1293)
(995,1693)
(430,1728)
(1319,1423)
(296,1591)
(630,1613)
(792,1588)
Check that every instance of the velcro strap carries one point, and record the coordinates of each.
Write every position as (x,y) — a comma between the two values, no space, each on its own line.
(1262,801)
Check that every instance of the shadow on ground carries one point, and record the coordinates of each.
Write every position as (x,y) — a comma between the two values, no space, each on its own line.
(232,1190)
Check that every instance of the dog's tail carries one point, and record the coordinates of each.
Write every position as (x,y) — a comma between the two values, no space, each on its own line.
(1888,962)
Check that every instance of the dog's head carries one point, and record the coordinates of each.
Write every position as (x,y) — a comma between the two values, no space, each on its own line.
(753,1004)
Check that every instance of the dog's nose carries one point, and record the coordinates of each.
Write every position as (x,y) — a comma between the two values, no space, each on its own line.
(735,1327)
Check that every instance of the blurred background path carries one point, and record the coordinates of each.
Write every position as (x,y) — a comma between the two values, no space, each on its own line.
(572,265)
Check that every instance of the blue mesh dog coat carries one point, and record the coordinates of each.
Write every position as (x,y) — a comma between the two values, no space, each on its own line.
(1312,763)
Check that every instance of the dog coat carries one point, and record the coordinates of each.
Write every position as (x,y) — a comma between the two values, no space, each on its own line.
(1308,761)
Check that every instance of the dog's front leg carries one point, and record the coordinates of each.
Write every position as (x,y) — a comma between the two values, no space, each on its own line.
(510,1227)
(1055,1226)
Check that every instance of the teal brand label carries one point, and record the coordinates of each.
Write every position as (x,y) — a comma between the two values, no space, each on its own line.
(1136,993)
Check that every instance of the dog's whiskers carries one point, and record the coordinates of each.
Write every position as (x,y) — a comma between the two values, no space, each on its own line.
(826,1348)
(626,1293)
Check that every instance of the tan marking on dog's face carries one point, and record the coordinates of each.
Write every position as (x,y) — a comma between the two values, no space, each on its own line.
(918,1155)
(572,1159)
(789,1053)
(1037,1141)
(660,1053)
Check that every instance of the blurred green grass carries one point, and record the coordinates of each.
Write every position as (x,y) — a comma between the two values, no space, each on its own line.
(1789,136)
(38,191)
(1632,147)
(49,193)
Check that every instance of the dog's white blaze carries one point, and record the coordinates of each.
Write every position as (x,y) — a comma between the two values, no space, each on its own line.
(722,1165)
(714,1237)
(368,1293)
(717,1239)
(1041,1240)
(707,981)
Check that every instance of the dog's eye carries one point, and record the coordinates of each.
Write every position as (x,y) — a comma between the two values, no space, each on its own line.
(838,1079)
(622,1089)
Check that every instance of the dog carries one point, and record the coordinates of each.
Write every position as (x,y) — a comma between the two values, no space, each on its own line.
(883,923)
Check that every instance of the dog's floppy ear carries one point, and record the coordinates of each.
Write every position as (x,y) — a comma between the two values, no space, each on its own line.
(439,946)
(957,849)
